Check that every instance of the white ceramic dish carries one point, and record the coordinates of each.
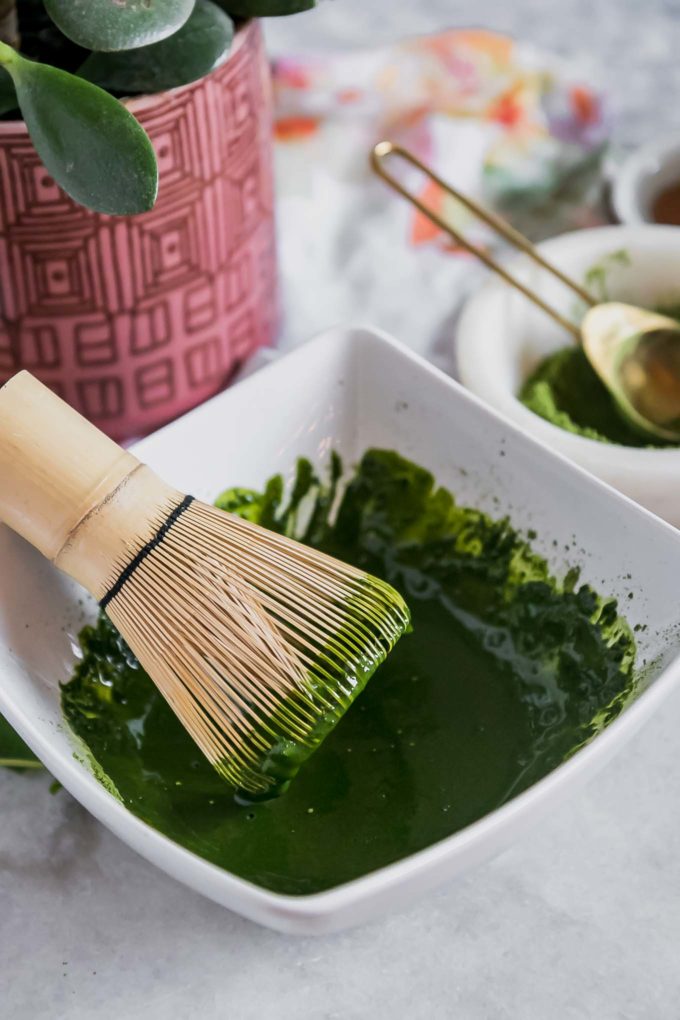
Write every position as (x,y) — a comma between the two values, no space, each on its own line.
(350,390)
(502,337)
(642,176)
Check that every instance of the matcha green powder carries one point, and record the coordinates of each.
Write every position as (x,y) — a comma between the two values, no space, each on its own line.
(566,391)
(506,673)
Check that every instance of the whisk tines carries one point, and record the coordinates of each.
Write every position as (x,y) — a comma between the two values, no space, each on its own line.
(259,644)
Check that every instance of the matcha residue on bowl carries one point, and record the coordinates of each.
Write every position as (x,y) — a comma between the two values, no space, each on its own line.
(507,673)
(566,391)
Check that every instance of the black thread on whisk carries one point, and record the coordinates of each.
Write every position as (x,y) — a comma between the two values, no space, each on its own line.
(145,550)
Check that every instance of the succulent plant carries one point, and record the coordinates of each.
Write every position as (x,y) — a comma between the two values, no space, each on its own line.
(65,64)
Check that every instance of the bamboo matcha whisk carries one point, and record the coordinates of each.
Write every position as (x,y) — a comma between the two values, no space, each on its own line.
(258,643)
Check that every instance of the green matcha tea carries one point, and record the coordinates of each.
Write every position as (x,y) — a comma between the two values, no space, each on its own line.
(507,672)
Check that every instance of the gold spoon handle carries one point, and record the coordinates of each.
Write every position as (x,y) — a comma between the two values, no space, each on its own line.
(379,157)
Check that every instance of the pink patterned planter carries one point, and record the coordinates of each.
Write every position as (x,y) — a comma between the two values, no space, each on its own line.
(134,321)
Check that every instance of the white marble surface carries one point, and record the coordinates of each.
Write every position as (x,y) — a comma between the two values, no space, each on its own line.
(580,920)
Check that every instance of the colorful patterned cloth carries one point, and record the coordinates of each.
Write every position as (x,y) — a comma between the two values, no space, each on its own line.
(507,124)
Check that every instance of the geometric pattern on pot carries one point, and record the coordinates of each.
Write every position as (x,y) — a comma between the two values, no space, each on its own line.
(135,320)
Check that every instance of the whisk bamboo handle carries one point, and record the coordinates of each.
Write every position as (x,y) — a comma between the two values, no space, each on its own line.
(67,488)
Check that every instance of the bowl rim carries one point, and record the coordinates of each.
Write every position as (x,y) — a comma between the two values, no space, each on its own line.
(571,443)
(638,166)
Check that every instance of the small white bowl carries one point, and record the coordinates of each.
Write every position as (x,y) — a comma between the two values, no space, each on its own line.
(350,390)
(642,176)
(502,337)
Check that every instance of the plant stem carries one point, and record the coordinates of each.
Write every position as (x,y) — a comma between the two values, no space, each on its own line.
(20,763)
(9,23)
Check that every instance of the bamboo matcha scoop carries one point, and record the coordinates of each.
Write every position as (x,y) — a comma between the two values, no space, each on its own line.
(258,643)
(635,352)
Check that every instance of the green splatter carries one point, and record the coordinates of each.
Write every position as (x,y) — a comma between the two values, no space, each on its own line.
(596,280)
(506,674)
(14,754)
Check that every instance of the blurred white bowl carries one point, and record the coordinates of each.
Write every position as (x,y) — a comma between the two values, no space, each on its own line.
(502,337)
(645,173)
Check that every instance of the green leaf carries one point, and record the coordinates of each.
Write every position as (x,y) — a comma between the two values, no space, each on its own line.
(200,45)
(8,95)
(265,8)
(14,753)
(88,142)
(118,24)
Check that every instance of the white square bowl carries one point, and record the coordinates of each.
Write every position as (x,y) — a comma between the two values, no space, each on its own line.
(349,390)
